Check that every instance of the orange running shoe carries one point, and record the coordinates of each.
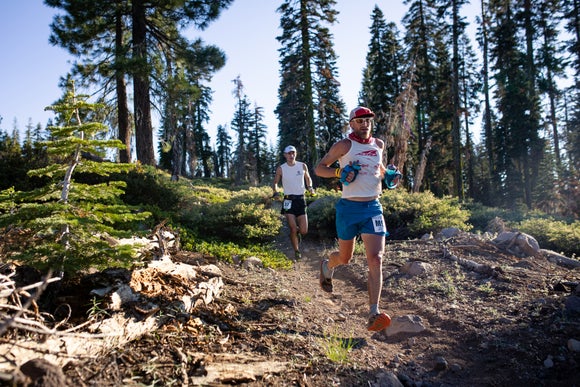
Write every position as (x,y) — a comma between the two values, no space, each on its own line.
(378,322)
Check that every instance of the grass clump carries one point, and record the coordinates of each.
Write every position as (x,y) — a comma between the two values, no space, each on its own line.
(337,348)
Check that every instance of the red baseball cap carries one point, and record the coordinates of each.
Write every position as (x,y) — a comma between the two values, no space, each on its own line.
(360,112)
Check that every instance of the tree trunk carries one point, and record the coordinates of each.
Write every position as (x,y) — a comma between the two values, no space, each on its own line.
(124,133)
(142,105)
(456,131)
(311,156)
(487,125)
(421,169)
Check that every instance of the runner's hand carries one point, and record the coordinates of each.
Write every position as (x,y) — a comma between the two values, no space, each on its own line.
(346,172)
(392,176)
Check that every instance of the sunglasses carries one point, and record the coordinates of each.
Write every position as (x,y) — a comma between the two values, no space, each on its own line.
(363,120)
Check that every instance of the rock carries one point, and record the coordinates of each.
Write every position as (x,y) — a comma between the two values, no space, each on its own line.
(447,233)
(43,373)
(252,263)
(572,305)
(574,345)
(387,379)
(416,268)
(211,269)
(440,364)
(517,243)
(405,324)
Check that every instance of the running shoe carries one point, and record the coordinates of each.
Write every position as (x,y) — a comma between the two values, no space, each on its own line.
(325,282)
(378,322)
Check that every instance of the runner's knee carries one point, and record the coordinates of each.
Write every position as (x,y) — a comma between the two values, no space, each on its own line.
(375,261)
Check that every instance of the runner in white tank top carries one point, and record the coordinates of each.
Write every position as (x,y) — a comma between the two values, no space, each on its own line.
(293,175)
(359,212)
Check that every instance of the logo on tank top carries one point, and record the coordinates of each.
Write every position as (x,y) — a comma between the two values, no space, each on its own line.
(368,153)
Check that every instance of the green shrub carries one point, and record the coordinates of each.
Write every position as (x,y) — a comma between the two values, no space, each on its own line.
(67,221)
(407,215)
(553,235)
(321,213)
(410,215)
(149,186)
(243,217)
(226,251)
(482,215)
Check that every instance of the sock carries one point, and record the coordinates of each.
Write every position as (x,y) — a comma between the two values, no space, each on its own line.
(374,309)
(326,271)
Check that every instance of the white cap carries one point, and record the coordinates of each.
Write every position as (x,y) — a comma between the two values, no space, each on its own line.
(289,149)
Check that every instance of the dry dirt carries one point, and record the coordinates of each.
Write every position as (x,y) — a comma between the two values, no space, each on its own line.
(504,326)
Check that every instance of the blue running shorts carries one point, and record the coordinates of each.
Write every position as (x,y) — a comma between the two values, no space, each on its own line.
(354,218)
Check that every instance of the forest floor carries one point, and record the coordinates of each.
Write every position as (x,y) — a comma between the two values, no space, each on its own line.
(504,326)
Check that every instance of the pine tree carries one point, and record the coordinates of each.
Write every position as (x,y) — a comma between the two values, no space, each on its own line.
(571,9)
(551,66)
(69,219)
(241,123)
(470,87)
(382,75)
(452,9)
(427,47)
(329,110)
(223,152)
(308,92)
(486,188)
(12,171)
(97,31)
(420,22)
(517,144)
(257,142)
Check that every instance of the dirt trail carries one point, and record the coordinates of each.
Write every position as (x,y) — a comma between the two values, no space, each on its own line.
(506,325)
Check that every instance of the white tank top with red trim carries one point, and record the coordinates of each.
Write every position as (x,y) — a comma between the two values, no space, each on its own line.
(368,180)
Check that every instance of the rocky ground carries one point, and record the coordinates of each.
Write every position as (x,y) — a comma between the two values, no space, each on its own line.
(470,315)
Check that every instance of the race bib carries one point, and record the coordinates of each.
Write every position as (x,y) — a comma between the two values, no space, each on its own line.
(287,204)
(379,223)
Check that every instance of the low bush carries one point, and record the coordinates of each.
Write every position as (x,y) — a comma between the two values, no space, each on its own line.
(241,216)
(410,215)
(321,213)
(407,215)
(553,235)
(480,215)
(226,251)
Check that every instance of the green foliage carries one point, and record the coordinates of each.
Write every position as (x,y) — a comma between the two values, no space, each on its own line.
(481,215)
(410,215)
(240,216)
(337,348)
(407,215)
(68,220)
(551,233)
(223,221)
(149,186)
(554,235)
(226,251)
(321,213)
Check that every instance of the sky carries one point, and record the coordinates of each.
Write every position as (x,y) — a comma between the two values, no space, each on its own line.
(30,68)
